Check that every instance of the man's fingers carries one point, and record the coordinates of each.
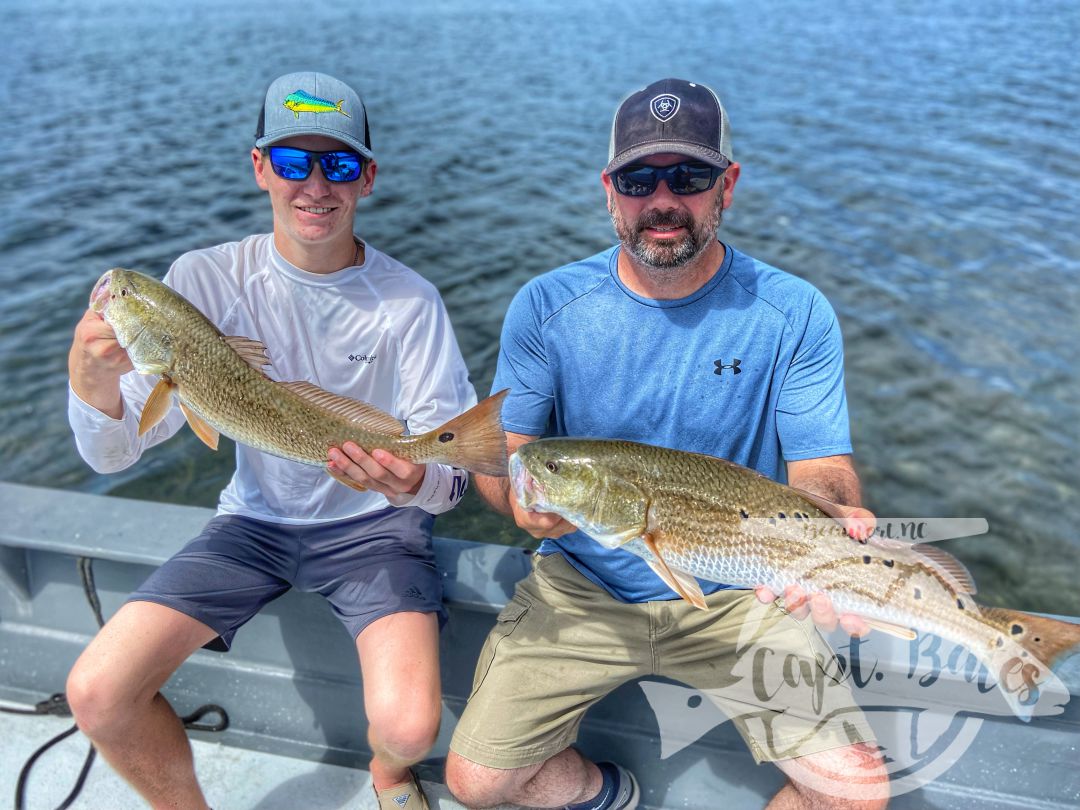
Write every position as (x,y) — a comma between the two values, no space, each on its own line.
(765,594)
(821,610)
(795,601)
(854,625)
(859,523)
(541,524)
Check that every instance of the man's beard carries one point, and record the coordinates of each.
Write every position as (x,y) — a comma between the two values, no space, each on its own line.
(670,254)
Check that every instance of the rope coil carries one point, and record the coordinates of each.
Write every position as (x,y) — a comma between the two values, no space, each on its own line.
(57,705)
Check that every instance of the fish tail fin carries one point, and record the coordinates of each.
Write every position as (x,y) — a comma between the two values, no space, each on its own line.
(341,110)
(1023,657)
(1049,640)
(475,440)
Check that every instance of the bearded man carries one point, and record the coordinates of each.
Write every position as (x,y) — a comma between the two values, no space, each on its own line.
(671,338)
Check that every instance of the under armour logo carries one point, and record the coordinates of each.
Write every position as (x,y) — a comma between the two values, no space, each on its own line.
(733,365)
(664,107)
(401,801)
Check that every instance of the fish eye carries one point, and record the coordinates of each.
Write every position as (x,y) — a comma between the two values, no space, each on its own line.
(123,291)
(552,466)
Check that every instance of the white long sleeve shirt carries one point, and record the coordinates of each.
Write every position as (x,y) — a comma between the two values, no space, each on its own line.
(377,332)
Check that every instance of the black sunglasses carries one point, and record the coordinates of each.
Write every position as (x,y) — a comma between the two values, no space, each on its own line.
(340,166)
(682,178)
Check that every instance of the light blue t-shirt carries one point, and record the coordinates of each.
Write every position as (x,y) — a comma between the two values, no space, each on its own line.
(749,368)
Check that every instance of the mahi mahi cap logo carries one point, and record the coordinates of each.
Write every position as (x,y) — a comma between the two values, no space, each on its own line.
(300,102)
(664,107)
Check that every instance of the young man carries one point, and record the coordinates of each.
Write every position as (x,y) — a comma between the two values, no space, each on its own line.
(676,339)
(317,296)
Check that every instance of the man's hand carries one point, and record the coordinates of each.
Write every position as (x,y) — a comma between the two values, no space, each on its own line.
(500,497)
(833,478)
(378,471)
(96,362)
(859,524)
(540,524)
(819,607)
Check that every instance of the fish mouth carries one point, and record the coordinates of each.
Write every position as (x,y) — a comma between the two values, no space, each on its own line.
(101,294)
(527,490)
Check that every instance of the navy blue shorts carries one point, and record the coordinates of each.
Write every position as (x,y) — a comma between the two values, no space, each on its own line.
(366,567)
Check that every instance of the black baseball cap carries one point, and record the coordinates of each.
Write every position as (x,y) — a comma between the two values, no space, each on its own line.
(671,115)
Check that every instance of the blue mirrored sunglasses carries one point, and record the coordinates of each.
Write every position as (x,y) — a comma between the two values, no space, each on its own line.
(682,178)
(342,166)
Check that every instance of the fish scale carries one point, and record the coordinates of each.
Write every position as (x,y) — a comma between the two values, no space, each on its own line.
(696,516)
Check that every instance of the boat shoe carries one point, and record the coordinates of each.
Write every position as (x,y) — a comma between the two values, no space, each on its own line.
(409,796)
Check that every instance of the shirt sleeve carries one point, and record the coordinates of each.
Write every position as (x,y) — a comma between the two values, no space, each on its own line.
(524,368)
(109,445)
(811,411)
(435,388)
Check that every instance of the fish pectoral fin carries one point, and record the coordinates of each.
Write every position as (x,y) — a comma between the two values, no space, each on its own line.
(898,630)
(157,404)
(681,582)
(200,427)
(341,478)
(252,351)
(363,414)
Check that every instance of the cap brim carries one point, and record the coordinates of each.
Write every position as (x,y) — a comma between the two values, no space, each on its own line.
(273,137)
(710,156)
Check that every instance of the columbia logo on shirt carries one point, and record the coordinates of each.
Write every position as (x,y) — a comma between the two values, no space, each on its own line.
(362,358)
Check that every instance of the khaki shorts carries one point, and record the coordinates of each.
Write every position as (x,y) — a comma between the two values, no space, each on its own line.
(562,643)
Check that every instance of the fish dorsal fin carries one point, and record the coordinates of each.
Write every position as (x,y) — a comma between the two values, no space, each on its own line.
(157,404)
(252,351)
(833,510)
(205,432)
(944,564)
(360,413)
(679,581)
(948,564)
(898,630)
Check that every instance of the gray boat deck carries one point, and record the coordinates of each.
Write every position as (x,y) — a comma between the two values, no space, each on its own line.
(292,686)
(233,778)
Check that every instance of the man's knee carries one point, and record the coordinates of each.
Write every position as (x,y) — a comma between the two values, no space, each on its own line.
(849,778)
(478,786)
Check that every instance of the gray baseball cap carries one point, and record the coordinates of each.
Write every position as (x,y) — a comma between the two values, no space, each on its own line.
(671,115)
(313,104)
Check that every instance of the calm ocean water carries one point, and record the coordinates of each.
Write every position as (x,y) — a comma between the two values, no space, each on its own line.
(920,165)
